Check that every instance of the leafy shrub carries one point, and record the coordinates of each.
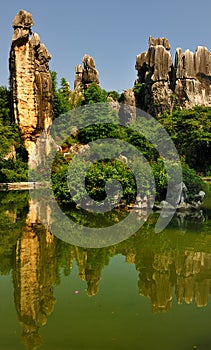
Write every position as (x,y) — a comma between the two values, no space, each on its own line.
(12,170)
(192,181)
(191,132)
(94,94)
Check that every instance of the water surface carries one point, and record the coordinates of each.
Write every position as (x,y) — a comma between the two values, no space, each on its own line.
(148,292)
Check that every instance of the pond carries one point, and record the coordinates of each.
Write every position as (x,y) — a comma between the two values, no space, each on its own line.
(151,291)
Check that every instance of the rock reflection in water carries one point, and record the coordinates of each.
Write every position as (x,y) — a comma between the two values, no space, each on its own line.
(164,263)
(34,277)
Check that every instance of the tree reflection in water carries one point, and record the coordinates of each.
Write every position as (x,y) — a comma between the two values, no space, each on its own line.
(175,259)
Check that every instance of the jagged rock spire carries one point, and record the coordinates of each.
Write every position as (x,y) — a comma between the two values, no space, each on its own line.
(31,84)
(86,74)
(186,83)
(154,71)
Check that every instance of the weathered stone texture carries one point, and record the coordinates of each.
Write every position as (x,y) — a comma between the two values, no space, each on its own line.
(186,83)
(128,108)
(86,75)
(193,77)
(31,85)
(78,85)
(154,71)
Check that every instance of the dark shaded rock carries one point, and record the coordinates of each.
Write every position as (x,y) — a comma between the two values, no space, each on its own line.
(155,69)
(90,73)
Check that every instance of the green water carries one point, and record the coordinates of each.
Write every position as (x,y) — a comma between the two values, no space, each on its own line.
(149,292)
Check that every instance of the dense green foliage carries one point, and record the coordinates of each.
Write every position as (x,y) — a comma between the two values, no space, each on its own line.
(105,170)
(95,94)
(114,95)
(191,132)
(138,92)
(98,175)
(189,129)
(99,129)
(193,182)
(61,96)
(12,169)
(4,104)
(13,156)
(13,211)
(64,98)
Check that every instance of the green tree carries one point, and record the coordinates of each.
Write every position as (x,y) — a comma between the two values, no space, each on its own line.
(114,95)
(139,95)
(64,93)
(95,94)
(64,99)
(12,169)
(4,104)
(191,132)
(13,155)
(61,96)
(56,102)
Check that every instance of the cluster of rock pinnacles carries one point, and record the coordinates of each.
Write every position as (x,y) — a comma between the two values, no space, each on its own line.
(186,82)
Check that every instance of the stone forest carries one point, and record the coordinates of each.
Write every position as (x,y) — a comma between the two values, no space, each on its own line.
(185,83)
(176,93)
(73,290)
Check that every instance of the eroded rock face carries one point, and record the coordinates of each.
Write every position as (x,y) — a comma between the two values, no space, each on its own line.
(31,86)
(128,108)
(85,75)
(90,73)
(78,85)
(193,77)
(154,71)
(186,83)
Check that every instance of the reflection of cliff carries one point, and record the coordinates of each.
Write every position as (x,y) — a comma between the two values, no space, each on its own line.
(171,261)
(188,272)
(90,264)
(161,267)
(34,277)
(194,278)
(155,281)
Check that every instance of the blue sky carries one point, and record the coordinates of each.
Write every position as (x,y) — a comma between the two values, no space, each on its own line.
(113,32)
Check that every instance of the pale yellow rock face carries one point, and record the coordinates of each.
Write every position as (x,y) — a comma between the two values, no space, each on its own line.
(31,86)
(26,111)
(34,276)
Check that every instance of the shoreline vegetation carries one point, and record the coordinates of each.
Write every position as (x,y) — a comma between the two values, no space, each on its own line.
(35,99)
(189,130)
(24,186)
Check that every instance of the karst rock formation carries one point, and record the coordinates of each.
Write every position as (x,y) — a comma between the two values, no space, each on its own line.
(184,83)
(85,75)
(31,87)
